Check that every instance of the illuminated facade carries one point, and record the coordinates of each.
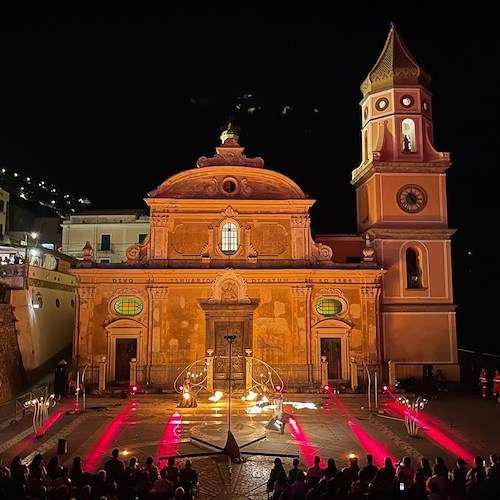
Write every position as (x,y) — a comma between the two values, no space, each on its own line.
(230,252)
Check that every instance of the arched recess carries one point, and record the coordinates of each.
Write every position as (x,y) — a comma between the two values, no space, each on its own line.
(332,333)
(408,136)
(414,261)
(125,340)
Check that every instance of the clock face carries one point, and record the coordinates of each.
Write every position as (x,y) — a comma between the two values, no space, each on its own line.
(412,198)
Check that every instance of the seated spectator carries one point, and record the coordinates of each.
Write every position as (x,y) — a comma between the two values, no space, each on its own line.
(370,468)
(143,485)
(458,480)
(407,470)
(425,468)
(359,487)
(439,477)
(54,470)
(163,486)
(314,473)
(192,475)
(292,473)
(281,486)
(299,487)
(351,471)
(152,469)
(76,473)
(418,490)
(114,467)
(330,469)
(172,471)
(278,466)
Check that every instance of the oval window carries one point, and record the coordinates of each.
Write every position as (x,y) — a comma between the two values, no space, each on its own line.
(329,307)
(128,306)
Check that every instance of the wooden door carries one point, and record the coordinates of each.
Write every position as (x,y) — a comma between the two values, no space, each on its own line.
(126,349)
(221,366)
(331,348)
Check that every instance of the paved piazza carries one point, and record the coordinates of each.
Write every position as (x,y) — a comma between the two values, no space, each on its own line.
(154,424)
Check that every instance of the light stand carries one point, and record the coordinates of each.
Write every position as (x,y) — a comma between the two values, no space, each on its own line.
(231,448)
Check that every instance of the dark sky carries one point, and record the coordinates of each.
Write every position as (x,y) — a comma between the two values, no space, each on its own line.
(108,99)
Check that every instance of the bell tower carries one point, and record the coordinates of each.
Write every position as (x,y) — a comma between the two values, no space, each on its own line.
(401,204)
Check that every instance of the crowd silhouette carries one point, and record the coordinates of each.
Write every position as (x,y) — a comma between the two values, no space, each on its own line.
(400,481)
(131,480)
(117,480)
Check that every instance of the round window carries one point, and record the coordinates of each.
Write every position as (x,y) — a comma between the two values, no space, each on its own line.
(407,101)
(382,104)
(229,185)
(425,106)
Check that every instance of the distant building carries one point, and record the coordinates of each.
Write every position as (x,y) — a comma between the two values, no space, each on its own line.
(37,314)
(109,232)
(230,259)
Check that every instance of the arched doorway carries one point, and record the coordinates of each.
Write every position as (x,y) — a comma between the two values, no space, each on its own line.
(332,339)
(125,341)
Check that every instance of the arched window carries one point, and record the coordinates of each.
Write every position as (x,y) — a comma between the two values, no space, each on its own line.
(413,271)
(229,238)
(408,136)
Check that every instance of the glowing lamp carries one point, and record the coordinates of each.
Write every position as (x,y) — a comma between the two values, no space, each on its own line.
(327,387)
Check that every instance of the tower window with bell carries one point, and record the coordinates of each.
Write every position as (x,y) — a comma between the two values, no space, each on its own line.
(408,135)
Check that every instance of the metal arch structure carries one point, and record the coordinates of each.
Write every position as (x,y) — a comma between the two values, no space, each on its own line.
(263,378)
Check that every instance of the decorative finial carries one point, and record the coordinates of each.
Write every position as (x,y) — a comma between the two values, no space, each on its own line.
(368,251)
(230,131)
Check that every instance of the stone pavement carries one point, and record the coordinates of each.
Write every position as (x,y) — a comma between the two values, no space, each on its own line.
(458,423)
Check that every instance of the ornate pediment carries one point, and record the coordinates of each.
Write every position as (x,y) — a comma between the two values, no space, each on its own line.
(229,288)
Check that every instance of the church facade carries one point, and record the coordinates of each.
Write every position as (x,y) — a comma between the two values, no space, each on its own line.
(230,255)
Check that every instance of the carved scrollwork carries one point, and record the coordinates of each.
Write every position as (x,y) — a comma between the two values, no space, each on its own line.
(246,190)
(230,158)
(322,252)
(134,252)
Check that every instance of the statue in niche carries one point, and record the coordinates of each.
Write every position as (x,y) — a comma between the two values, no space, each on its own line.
(406,144)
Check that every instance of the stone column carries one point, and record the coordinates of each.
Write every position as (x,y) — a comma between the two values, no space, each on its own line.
(102,374)
(354,375)
(157,295)
(210,369)
(248,367)
(133,371)
(301,329)
(324,371)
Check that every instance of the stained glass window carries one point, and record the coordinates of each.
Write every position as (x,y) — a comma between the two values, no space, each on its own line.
(128,306)
(329,307)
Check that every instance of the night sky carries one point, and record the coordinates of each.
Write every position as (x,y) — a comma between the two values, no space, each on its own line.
(106,100)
